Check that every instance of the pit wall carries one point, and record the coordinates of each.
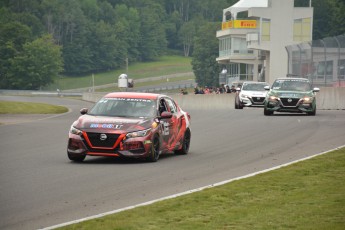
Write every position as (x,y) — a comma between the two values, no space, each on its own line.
(326,99)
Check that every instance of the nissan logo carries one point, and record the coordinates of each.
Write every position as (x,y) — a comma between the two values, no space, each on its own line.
(103,137)
(289,100)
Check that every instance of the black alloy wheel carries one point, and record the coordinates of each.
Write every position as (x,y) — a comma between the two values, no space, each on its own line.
(154,155)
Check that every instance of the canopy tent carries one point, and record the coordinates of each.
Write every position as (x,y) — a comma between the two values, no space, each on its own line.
(244,5)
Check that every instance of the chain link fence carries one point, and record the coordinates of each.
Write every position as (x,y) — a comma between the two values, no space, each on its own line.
(321,61)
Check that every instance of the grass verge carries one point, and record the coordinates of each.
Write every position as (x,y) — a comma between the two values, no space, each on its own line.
(14,107)
(163,66)
(305,195)
(148,83)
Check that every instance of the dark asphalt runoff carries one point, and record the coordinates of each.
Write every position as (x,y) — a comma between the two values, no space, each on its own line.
(40,187)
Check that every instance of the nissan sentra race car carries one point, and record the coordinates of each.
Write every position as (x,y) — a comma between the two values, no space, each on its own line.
(294,95)
(251,94)
(127,124)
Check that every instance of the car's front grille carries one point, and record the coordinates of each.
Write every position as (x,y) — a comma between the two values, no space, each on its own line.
(258,99)
(106,140)
(289,101)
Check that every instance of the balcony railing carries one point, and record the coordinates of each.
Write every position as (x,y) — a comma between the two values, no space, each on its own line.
(225,53)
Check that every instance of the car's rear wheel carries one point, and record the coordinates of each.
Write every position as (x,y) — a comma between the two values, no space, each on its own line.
(267,112)
(76,158)
(154,155)
(185,144)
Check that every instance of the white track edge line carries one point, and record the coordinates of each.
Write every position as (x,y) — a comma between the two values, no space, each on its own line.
(187,192)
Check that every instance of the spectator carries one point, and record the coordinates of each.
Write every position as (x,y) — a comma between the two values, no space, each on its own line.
(227,89)
(183,92)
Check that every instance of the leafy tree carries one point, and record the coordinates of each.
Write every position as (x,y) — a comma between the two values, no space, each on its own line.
(186,35)
(127,29)
(205,67)
(152,42)
(105,47)
(36,66)
(13,36)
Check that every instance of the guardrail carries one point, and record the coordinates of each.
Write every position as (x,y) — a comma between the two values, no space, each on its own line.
(40,93)
(327,99)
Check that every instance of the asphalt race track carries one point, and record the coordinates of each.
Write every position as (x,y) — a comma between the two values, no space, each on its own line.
(40,187)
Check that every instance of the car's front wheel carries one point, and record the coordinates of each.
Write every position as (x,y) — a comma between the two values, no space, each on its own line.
(154,154)
(267,112)
(76,158)
(185,144)
(313,113)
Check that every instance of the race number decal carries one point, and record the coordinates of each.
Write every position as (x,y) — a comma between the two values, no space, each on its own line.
(166,128)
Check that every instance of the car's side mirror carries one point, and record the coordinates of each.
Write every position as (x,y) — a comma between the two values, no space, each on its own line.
(316,89)
(165,115)
(267,87)
(84,111)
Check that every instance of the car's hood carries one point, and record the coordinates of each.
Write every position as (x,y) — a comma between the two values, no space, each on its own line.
(104,123)
(293,94)
(254,93)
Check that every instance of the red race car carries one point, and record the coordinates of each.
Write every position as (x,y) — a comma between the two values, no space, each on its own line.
(127,124)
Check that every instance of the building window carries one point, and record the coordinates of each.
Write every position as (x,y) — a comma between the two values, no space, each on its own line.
(302,30)
(224,46)
(265,29)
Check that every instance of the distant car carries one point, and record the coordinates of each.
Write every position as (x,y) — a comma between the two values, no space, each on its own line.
(251,94)
(294,95)
(134,125)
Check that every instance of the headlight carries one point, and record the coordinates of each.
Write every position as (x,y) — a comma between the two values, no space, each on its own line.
(75,131)
(141,133)
(244,96)
(308,99)
(272,98)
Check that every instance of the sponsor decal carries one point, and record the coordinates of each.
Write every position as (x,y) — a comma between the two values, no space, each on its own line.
(105,126)
(166,128)
(125,99)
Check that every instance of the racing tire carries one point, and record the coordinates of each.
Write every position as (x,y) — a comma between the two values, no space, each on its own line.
(154,154)
(313,113)
(267,112)
(185,144)
(237,103)
(78,158)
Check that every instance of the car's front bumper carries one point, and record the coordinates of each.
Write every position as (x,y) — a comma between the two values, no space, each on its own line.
(300,106)
(139,147)
(252,102)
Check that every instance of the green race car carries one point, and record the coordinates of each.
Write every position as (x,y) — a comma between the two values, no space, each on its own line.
(293,95)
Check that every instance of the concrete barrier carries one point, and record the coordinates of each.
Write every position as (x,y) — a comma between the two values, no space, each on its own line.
(331,98)
(327,99)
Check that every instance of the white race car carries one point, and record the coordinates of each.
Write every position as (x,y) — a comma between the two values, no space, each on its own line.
(250,94)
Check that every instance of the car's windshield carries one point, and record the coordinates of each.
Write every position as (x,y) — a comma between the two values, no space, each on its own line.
(124,107)
(254,87)
(294,85)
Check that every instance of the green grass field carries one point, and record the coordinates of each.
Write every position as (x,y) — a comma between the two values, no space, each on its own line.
(14,107)
(305,195)
(165,65)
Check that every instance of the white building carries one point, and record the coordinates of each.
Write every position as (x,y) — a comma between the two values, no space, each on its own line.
(254,35)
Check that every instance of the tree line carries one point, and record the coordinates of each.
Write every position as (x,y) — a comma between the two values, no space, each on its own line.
(40,39)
